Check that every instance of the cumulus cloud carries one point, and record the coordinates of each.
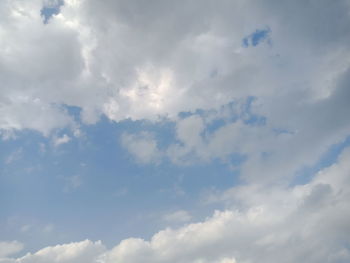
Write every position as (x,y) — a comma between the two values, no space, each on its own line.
(121,59)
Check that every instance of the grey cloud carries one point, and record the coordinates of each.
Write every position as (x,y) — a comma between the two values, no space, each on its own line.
(108,58)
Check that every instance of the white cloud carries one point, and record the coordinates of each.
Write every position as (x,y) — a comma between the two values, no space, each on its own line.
(61,140)
(85,251)
(24,113)
(143,146)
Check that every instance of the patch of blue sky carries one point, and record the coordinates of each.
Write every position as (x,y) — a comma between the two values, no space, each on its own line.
(164,129)
(237,159)
(279,131)
(113,188)
(51,8)
(229,113)
(247,114)
(215,125)
(73,111)
(230,107)
(305,174)
(259,36)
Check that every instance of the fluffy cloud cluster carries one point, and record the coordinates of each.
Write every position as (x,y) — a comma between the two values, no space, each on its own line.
(306,223)
(128,60)
(157,59)
(294,135)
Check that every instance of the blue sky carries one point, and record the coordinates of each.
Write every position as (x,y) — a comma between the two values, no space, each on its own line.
(172,132)
(93,177)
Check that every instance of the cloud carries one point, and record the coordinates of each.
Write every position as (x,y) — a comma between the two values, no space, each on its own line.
(143,146)
(9,248)
(122,61)
(305,222)
(61,140)
(85,251)
(25,113)
(109,72)
(155,60)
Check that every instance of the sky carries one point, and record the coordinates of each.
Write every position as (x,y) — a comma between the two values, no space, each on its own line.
(174,131)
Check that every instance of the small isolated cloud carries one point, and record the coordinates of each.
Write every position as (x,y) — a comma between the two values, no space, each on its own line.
(180,216)
(142,146)
(9,248)
(61,140)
